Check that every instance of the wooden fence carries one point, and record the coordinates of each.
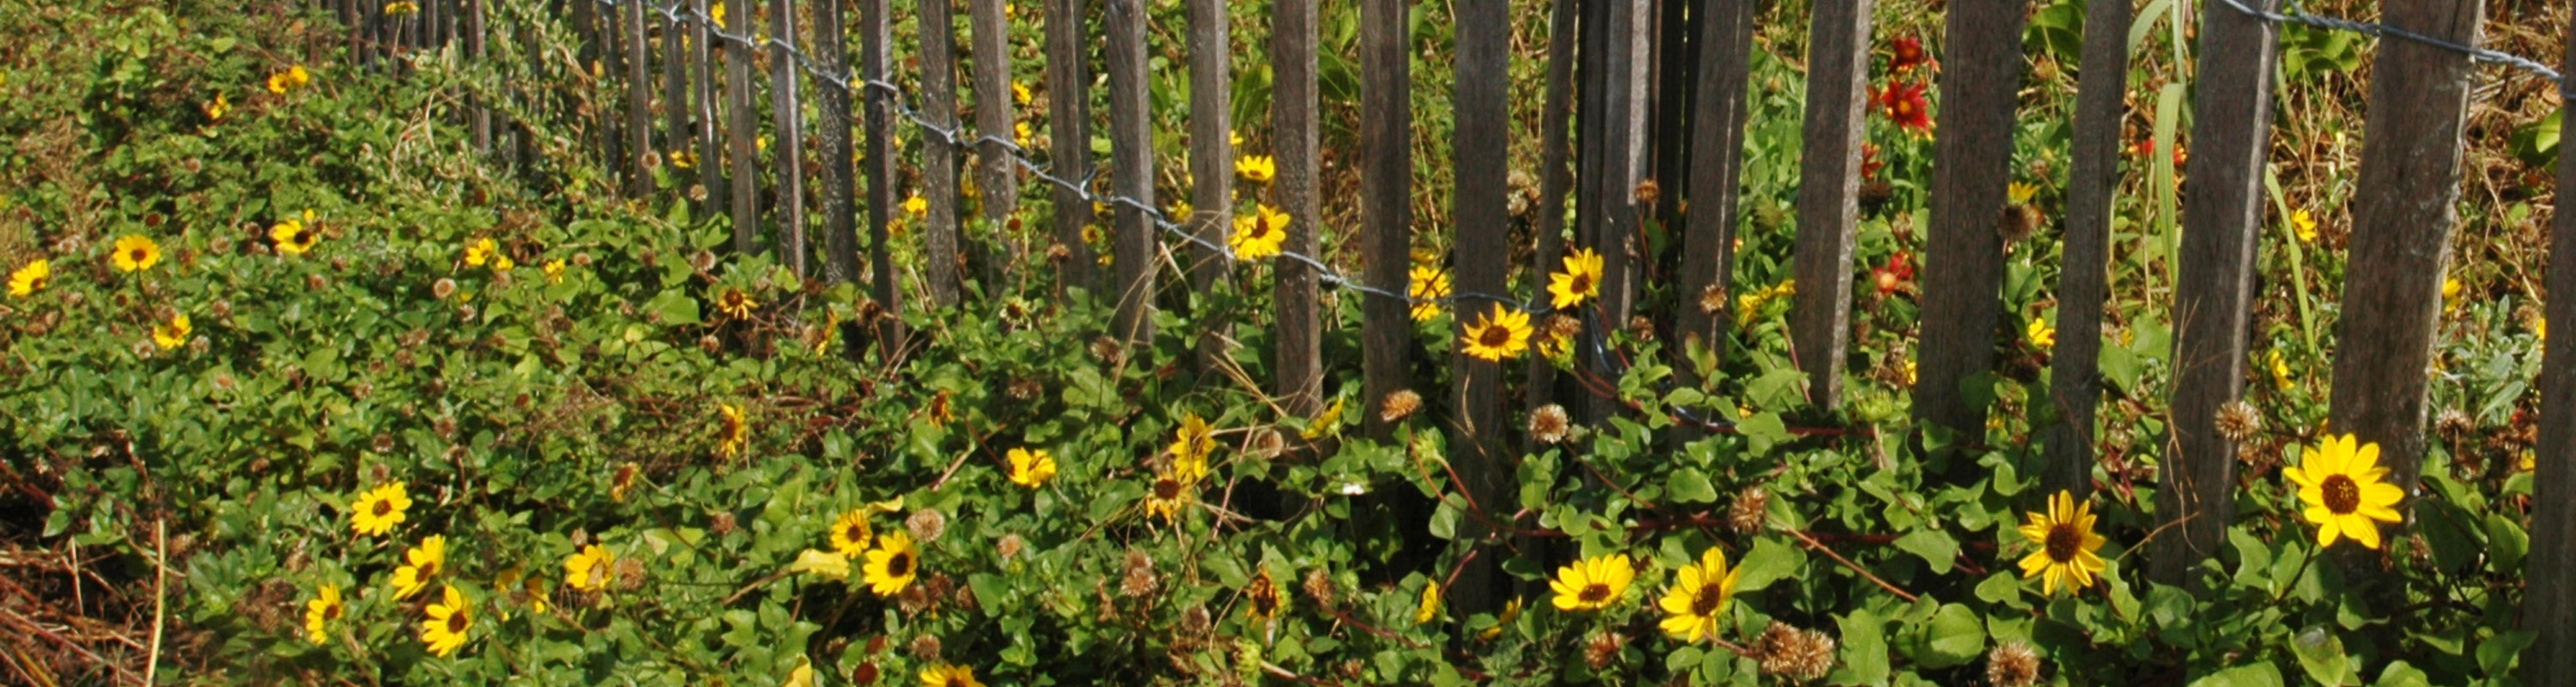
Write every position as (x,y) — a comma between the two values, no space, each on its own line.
(1636,90)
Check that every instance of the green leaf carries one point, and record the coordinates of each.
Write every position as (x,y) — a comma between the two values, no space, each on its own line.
(1690,486)
(1764,430)
(2321,655)
(2252,675)
(2399,674)
(2506,543)
(1936,547)
(2497,654)
(2002,588)
(1444,522)
(1958,636)
(1864,650)
(1769,561)
(675,307)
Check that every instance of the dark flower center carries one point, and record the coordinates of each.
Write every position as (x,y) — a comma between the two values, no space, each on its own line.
(1495,336)
(332,612)
(856,532)
(1265,600)
(1594,593)
(2063,542)
(1582,283)
(428,568)
(138,255)
(1167,489)
(457,621)
(1260,227)
(2343,496)
(1706,601)
(383,508)
(900,565)
(957,682)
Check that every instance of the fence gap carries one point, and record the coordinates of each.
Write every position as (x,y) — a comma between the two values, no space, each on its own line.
(1131,143)
(1716,178)
(2231,130)
(745,156)
(639,104)
(1829,195)
(876,46)
(1068,86)
(994,115)
(1294,142)
(1211,153)
(1555,179)
(1386,212)
(1482,144)
(1963,260)
(1675,49)
(2550,571)
(832,112)
(788,126)
(938,155)
(2074,377)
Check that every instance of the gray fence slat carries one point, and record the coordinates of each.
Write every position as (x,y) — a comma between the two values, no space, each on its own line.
(938,158)
(2231,130)
(832,112)
(2074,383)
(1211,154)
(1972,161)
(1069,129)
(711,159)
(1131,143)
(1617,161)
(1716,173)
(740,122)
(788,145)
(876,45)
(639,104)
(1386,212)
(474,53)
(1294,143)
(994,115)
(1828,198)
(1484,233)
(1555,179)
(675,96)
(2550,571)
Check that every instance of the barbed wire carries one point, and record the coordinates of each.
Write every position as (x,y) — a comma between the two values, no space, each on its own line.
(2475,54)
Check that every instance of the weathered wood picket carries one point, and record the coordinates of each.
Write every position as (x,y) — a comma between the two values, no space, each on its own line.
(1634,90)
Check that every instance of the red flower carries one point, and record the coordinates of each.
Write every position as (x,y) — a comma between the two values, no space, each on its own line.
(1905,105)
(1909,54)
(1869,163)
(1899,270)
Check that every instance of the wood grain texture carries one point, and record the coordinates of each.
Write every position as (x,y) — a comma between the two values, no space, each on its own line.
(1829,191)
(675,95)
(474,52)
(876,51)
(639,104)
(1483,252)
(743,152)
(1211,153)
(787,139)
(1972,160)
(1386,212)
(839,194)
(2550,571)
(1068,85)
(1294,140)
(939,158)
(1721,97)
(2231,131)
(1615,159)
(1131,150)
(1556,178)
(994,113)
(702,101)
(2074,383)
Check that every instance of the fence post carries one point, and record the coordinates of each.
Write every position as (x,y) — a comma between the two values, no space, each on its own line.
(738,134)
(1483,215)
(639,103)
(876,45)
(788,125)
(1675,53)
(1293,139)
(994,115)
(675,93)
(1972,161)
(1131,142)
(2231,130)
(1829,195)
(2550,571)
(840,233)
(1555,178)
(1716,176)
(2074,379)
(1211,153)
(711,168)
(474,51)
(1069,129)
(938,154)
(1606,203)
(1386,212)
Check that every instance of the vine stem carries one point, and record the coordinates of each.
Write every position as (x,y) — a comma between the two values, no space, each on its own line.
(1855,567)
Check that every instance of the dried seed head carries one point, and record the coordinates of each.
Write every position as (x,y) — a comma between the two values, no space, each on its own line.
(2019,221)
(1712,299)
(1107,349)
(1319,585)
(442,288)
(698,192)
(1750,511)
(1648,192)
(621,480)
(445,426)
(630,574)
(1399,405)
(926,524)
(1195,620)
(1010,547)
(1564,326)
(2237,421)
(2454,425)
(1026,389)
(652,159)
(1548,424)
(1057,252)
(926,647)
(2012,664)
(723,524)
(1601,648)
(1139,580)
(915,599)
(1793,654)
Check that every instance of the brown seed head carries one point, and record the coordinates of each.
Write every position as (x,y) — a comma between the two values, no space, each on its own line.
(442,288)
(723,524)
(2012,664)
(1319,585)
(630,574)
(926,524)
(1712,299)
(1648,192)
(1548,424)
(1750,511)
(1601,648)
(2237,421)
(1010,547)
(926,647)
(1793,654)
(1399,405)
(2454,425)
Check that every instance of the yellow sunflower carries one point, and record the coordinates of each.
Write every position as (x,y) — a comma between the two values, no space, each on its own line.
(736,304)
(1169,496)
(480,252)
(2041,335)
(1698,596)
(217,108)
(419,565)
(1580,281)
(915,205)
(1426,285)
(379,510)
(1261,596)
(1020,91)
(1504,334)
(892,564)
(2345,489)
(734,433)
(850,533)
(172,334)
(2021,192)
(682,159)
(31,278)
(1430,607)
(1192,443)
(1593,583)
(555,271)
(1259,169)
(1511,612)
(2066,544)
(945,675)
(589,569)
(319,611)
(292,237)
(136,253)
(1259,235)
(1031,468)
(449,619)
